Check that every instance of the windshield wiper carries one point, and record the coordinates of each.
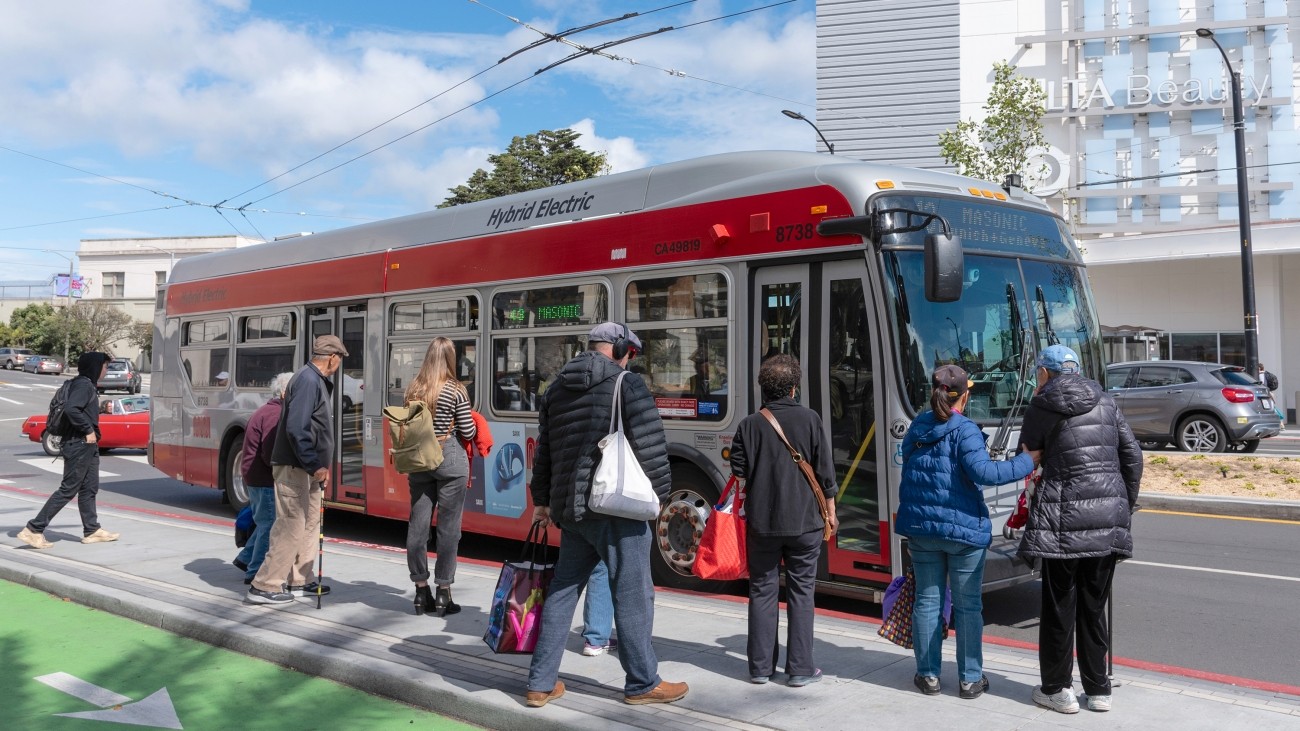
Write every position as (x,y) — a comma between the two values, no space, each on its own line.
(1003,433)
(1047,319)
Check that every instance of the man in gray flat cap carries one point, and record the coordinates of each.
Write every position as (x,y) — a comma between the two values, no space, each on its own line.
(300,464)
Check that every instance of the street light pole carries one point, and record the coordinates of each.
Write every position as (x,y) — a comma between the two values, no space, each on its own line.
(1243,214)
(796,115)
(68,309)
(171,257)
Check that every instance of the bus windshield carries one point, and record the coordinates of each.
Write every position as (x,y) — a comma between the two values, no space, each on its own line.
(1009,304)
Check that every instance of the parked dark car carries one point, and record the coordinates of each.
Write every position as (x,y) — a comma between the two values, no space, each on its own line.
(12,358)
(1199,407)
(43,364)
(120,376)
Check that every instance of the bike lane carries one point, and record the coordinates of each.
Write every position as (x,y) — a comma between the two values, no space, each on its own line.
(67,667)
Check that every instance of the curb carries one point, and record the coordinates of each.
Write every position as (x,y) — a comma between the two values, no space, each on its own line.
(1230,507)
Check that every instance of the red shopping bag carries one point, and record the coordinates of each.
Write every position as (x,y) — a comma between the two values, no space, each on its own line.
(721,556)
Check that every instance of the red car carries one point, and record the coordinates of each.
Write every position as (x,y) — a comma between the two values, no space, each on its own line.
(123,424)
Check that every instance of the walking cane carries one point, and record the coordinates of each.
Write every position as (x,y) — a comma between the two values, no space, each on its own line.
(320,551)
(1110,630)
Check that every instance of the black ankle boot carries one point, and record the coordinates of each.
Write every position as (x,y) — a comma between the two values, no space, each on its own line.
(424,600)
(442,603)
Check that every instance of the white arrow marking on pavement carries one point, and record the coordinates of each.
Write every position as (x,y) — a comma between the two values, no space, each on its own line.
(50,465)
(156,711)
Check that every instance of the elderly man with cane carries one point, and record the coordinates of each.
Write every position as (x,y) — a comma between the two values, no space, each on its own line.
(300,464)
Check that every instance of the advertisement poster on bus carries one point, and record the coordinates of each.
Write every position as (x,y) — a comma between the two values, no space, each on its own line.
(504,480)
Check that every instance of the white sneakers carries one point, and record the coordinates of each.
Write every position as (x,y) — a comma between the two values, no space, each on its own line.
(1062,701)
(33,539)
(101,536)
(1099,703)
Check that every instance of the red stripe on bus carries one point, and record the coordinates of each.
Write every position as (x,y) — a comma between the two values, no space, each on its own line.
(652,238)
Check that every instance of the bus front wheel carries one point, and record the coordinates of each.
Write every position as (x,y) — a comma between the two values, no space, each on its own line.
(232,477)
(678,529)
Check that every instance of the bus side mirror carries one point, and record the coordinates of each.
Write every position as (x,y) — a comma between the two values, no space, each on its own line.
(944,268)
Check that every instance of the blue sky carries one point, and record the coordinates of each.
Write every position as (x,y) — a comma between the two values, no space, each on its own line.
(124,114)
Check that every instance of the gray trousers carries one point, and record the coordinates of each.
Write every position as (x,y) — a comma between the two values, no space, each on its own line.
(444,488)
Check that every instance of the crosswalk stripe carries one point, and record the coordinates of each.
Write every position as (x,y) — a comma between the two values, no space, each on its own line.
(56,467)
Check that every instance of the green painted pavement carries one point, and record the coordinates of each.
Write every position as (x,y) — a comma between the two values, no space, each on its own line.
(211,688)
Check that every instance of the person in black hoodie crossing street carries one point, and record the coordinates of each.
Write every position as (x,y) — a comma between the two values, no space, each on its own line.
(80,458)
(1079,523)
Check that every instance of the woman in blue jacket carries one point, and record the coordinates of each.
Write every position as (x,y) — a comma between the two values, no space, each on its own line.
(942,512)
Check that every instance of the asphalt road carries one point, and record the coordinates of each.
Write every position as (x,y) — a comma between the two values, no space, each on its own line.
(1211,594)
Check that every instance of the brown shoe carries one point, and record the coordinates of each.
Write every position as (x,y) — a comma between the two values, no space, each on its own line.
(665,692)
(539,698)
(33,539)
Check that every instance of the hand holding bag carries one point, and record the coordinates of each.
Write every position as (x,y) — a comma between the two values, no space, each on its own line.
(515,620)
(722,554)
(620,487)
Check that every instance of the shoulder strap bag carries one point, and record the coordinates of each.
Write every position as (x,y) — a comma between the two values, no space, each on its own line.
(619,486)
(807,471)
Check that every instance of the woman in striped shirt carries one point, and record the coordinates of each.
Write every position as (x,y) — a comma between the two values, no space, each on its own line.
(436,386)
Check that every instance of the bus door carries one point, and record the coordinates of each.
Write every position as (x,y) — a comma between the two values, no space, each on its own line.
(845,398)
(835,350)
(348,322)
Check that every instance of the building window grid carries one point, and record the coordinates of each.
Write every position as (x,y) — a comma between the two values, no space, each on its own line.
(114,285)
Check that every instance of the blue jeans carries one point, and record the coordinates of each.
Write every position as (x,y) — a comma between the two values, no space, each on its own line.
(598,611)
(624,546)
(939,561)
(262,500)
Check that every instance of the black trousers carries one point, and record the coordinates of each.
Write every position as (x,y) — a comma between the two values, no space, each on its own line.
(765,555)
(1075,592)
(80,481)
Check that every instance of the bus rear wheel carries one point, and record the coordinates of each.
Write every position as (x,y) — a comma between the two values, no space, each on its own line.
(232,477)
(677,533)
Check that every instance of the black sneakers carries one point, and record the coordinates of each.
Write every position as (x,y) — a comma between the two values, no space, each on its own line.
(970,691)
(308,589)
(928,685)
(257,596)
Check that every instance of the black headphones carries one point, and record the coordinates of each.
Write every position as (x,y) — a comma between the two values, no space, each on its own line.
(510,465)
(623,344)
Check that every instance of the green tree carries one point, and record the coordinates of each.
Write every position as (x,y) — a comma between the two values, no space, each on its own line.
(141,336)
(1005,141)
(538,160)
(36,326)
(96,325)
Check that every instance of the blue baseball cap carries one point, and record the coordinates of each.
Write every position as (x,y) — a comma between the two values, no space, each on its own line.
(1059,359)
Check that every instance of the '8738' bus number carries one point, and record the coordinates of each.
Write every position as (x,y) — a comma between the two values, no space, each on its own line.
(795,232)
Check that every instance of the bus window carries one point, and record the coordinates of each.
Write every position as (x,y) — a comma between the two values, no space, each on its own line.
(779,313)
(687,297)
(686,370)
(205,351)
(579,304)
(526,367)
(266,348)
(405,359)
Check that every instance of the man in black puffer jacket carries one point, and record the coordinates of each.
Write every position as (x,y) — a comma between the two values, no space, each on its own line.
(574,415)
(1079,522)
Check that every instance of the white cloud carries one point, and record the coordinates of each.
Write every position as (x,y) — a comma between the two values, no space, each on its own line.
(622,152)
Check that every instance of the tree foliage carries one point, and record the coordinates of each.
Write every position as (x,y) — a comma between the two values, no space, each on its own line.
(1012,129)
(95,325)
(141,336)
(35,327)
(538,160)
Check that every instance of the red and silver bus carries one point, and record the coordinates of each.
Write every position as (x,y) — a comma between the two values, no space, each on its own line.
(871,275)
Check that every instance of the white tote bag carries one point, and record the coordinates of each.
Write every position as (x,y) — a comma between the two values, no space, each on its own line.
(620,487)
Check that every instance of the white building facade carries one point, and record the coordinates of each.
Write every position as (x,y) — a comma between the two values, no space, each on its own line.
(1141,157)
(128,272)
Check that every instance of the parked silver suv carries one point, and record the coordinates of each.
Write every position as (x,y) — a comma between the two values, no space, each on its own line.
(1200,407)
(12,358)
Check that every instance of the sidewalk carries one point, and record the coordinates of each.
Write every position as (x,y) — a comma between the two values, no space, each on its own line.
(175,574)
